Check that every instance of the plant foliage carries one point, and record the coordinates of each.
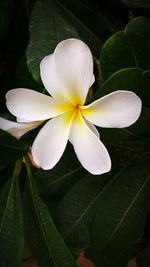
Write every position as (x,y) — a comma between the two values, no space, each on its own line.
(57,214)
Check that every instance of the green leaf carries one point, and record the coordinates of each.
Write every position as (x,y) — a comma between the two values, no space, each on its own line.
(56,182)
(131,79)
(51,23)
(129,151)
(5,15)
(92,16)
(143,258)
(144,91)
(75,211)
(113,259)
(136,131)
(124,202)
(125,79)
(43,239)
(137,3)
(10,149)
(127,49)
(11,224)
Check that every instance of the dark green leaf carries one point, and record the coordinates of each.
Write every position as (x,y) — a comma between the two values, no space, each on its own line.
(10,148)
(138,130)
(143,90)
(130,151)
(127,49)
(137,3)
(56,182)
(124,202)
(143,258)
(92,16)
(75,212)
(125,79)
(51,23)
(43,239)
(26,253)
(131,79)
(11,225)
(111,259)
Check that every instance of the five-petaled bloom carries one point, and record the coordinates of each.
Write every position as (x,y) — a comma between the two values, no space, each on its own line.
(67,74)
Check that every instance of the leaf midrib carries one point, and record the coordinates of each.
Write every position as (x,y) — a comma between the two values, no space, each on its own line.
(128,209)
(131,47)
(92,203)
(7,204)
(65,176)
(41,226)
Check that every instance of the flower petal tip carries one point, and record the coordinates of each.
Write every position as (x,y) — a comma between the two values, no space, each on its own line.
(103,169)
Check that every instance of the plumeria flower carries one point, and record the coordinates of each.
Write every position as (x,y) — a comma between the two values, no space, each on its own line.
(67,74)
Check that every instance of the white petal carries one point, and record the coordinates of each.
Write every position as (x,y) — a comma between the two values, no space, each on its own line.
(117,110)
(22,120)
(29,105)
(69,71)
(50,78)
(89,149)
(51,141)
(93,80)
(92,128)
(17,129)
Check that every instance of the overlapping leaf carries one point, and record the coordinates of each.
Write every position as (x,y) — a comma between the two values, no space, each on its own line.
(130,151)
(132,79)
(127,49)
(124,79)
(92,16)
(138,130)
(135,80)
(56,182)
(123,203)
(75,212)
(44,241)
(51,23)
(11,225)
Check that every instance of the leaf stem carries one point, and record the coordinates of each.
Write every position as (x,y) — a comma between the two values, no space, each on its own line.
(28,167)
(17,169)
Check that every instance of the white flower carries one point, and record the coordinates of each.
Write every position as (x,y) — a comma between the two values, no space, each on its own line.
(67,74)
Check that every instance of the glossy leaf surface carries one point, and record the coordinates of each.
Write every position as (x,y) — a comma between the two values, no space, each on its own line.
(51,23)
(44,240)
(11,225)
(124,200)
(56,182)
(75,212)
(127,49)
